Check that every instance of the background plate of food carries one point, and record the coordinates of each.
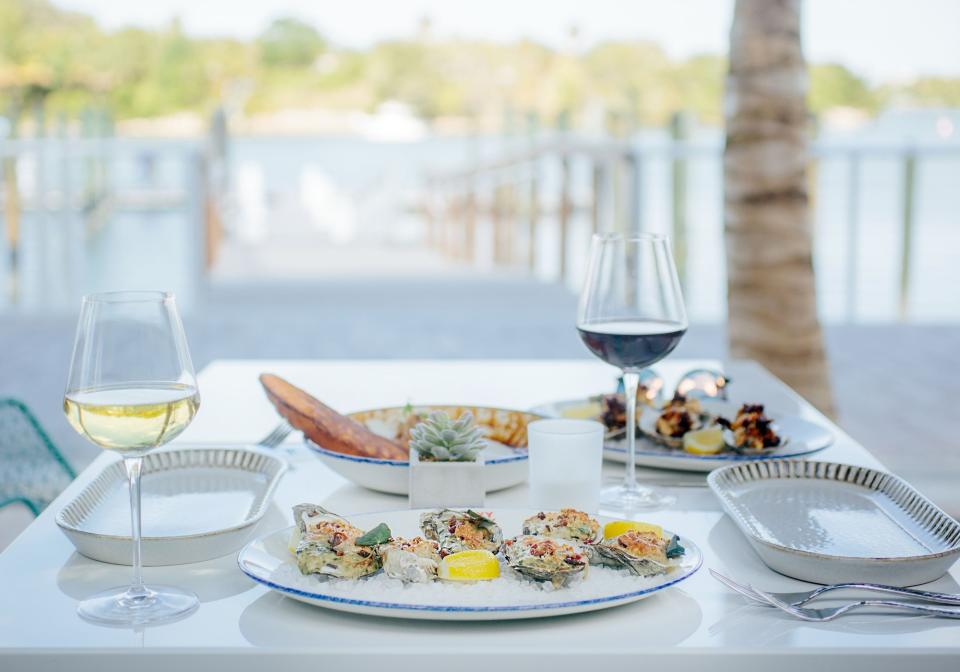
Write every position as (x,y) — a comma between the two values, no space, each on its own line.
(697,434)
(371,448)
(465,565)
(504,459)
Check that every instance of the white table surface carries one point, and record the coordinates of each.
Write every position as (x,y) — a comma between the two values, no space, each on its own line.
(699,625)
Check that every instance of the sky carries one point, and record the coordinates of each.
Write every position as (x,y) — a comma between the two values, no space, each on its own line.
(883,40)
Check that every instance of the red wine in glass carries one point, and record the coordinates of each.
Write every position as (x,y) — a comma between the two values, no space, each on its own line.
(632,344)
(631,315)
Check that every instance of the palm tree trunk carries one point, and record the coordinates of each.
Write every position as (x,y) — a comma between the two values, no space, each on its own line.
(772,306)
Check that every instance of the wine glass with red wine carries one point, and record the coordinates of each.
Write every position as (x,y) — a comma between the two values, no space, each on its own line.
(631,315)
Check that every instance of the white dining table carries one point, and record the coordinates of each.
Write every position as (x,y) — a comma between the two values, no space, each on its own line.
(240,625)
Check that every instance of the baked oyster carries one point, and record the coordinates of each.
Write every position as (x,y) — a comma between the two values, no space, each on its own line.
(544,559)
(644,553)
(413,560)
(563,524)
(751,430)
(457,531)
(679,416)
(328,545)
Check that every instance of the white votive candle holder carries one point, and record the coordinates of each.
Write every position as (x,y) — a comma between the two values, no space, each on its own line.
(566,462)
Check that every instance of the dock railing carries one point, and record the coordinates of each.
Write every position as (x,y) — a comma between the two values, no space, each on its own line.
(508,191)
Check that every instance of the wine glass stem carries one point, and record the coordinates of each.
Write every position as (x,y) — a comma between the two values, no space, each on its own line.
(631,380)
(133,466)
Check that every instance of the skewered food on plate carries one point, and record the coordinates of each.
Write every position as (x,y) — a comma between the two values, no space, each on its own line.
(545,559)
(413,560)
(331,546)
(752,429)
(563,524)
(645,553)
(457,531)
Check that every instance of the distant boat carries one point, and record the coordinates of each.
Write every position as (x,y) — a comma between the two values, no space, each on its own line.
(392,122)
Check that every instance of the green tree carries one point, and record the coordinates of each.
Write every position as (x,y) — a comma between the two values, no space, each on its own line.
(290,43)
(833,85)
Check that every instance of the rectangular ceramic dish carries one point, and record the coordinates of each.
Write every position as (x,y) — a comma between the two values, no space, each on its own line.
(829,523)
(197,504)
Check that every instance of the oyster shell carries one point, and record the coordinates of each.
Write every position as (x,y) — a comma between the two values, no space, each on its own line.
(412,560)
(751,430)
(457,531)
(544,559)
(327,545)
(563,524)
(643,553)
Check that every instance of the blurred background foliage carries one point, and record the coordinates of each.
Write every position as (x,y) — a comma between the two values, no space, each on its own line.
(66,59)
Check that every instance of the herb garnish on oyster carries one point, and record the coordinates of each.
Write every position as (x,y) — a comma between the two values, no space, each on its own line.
(563,524)
(545,559)
(457,531)
(643,553)
(328,545)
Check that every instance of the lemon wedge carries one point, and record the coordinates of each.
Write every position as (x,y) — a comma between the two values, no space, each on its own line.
(469,566)
(707,441)
(617,527)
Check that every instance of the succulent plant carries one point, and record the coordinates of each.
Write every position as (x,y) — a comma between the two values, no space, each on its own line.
(440,439)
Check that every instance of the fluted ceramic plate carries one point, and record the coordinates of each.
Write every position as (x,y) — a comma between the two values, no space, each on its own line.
(830,523)
(268,561)
(197,504)
(802,438)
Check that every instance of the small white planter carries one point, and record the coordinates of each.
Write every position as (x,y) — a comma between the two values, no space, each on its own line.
(445,484)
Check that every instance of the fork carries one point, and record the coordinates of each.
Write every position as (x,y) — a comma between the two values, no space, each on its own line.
(823,615)
(276,437)
(802,598)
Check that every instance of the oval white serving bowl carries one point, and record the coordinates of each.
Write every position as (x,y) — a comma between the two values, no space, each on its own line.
(197,504)
(503,468)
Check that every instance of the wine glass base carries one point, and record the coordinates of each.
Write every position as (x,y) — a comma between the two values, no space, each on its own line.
(151,605)
(626,499)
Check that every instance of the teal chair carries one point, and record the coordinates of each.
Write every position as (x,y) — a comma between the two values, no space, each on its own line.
(32,470)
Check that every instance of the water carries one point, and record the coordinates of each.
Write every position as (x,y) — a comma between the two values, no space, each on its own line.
(349,189)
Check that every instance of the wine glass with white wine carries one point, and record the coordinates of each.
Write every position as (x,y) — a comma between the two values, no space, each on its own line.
(132,388)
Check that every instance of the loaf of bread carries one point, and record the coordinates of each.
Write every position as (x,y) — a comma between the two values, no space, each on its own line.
(324,426)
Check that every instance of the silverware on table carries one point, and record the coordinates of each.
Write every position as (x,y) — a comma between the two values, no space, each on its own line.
(821,615)
(801,598)
(276,436)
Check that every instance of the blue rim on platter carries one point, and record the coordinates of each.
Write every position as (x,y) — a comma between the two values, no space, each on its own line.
(402,463)
(398,606)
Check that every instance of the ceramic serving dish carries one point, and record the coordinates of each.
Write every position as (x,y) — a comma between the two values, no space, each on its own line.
(197,504)
(505,458)
(802,438)
(825,522)
(268,561)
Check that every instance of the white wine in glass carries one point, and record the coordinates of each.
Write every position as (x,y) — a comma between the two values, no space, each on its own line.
(132,388)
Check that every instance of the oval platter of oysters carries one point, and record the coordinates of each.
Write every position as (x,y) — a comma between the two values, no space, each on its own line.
(696,434)
(468,565)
